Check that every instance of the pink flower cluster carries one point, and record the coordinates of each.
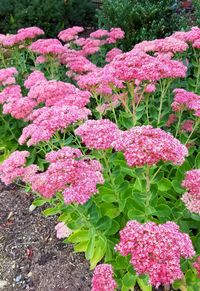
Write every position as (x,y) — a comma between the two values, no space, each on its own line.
(98,134)
(47,46)
(77,178)
(155,250)
(47,120)
(7,76)
(33,78)
(22,35)
(196,265)
(147,145)
(13,167)
(192,197)
(70,33)
(112,54)
(62,231)
(186,100)
(103,278)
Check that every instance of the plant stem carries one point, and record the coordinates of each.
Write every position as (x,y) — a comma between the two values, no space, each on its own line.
(194,128)
(147,179)
(131,91)
(179,122)
(164,89)
(147,107)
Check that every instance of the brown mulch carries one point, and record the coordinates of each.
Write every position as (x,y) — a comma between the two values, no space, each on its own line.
(31,257)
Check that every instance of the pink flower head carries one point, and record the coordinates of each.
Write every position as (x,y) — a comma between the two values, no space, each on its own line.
(62,231)
(100,33)
(29,33)
(192,197)
(98,134)
(171,120)
(196,265)
(186,100)
(187,125)
(7,76)
(13,167)
(112,54)
(70,33)
(155,250)
(147,145)
(47,120)
(10,94)
(47,46)
(103,278)
(41,60)
(91,46)
(76,177)
(189,36)
(114,35)
(33,78)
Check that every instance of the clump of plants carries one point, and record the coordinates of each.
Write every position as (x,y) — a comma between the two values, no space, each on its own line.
(109,143)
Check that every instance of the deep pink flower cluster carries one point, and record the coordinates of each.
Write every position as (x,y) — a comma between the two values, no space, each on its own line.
(187,125)
(103,278)
(77,177)
(196,265)
(98,134)
(13,167)
(70,33)
(192,197)
(10,93)
(7,76)
(186,100)
(33,78)
(47,120)
(22,35)
(147,145)
(171,120)
(47,46)
(155,250)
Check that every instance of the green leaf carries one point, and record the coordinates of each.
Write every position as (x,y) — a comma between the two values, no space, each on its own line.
(100,250)
(104,223)
(90,248)
(107,194)
(164,185)
(129,280)
(79,236)
(177,187)
(162,210)
(197,161)
(51,211)
(136,214)
(143,284)
(81,247)
(40,201)
(114,228)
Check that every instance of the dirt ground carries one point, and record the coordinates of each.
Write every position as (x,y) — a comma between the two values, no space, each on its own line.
(31,257)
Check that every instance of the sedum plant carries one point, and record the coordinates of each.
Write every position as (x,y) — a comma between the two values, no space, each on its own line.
(111,149)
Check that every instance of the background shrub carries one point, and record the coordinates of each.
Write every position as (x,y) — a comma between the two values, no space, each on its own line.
(141,19)
(50,15)
(196,6)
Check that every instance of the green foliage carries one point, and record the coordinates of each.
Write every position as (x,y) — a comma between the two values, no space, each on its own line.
(140,19)
(50,15)
(196,5)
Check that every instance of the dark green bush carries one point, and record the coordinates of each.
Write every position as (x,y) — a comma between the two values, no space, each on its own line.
(50,15)
(141,19)
(196,6)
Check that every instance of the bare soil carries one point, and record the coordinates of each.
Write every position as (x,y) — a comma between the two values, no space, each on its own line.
(31,257)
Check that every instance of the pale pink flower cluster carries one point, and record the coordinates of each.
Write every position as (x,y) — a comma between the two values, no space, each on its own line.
(155,250)
(13,167)
(98,134)
(62,231)
(22,35)
(192,197)
(165,45)
(78,178)
(47,120)
(47,46)
(33,78)
(10,93)
(103,278)
(147,145)
(186,100)
(7,76)
(70,33)
(188,36)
